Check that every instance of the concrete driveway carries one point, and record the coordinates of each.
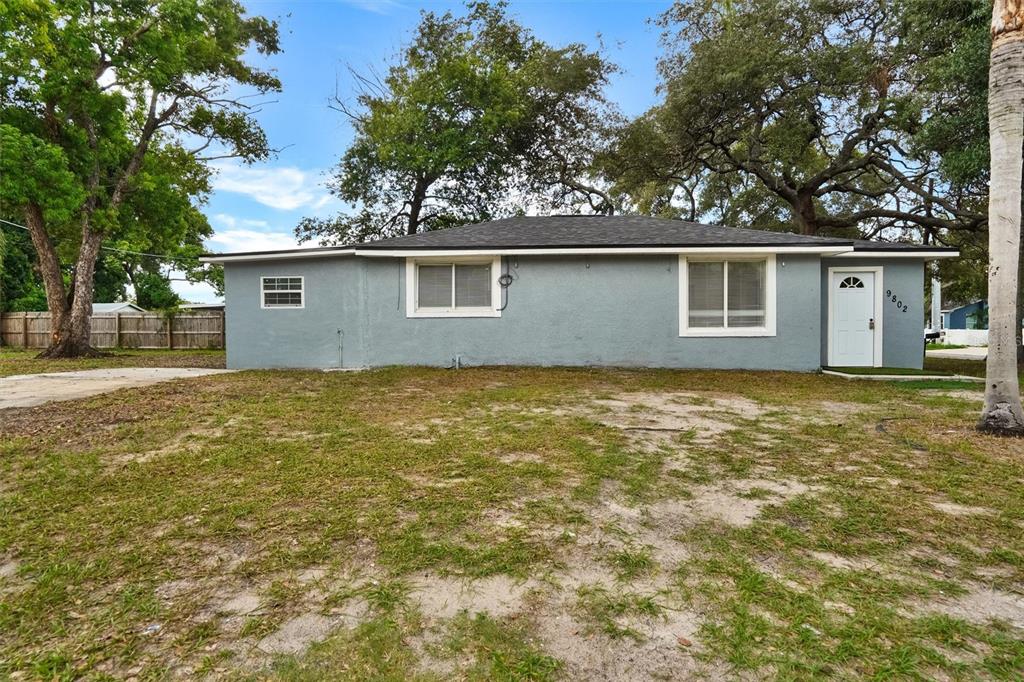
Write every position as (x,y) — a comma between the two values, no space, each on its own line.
(28,390)
(969,353)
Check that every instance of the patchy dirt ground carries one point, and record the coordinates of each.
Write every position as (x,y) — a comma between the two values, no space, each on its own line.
(510,524)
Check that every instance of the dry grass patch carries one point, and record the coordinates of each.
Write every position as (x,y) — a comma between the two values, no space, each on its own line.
(510,524)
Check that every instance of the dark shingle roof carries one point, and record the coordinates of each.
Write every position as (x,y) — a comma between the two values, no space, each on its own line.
(580,231)
(868,245)
(537,232)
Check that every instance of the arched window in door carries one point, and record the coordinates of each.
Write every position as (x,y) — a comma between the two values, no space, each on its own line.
(852,283)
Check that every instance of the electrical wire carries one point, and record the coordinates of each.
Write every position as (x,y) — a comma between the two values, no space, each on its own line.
(505,281)
(158,256)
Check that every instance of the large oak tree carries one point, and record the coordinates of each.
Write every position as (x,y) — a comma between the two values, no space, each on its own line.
(787,114)
(476,116)
(103,100)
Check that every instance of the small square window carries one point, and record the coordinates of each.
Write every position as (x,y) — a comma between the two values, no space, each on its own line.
(282,292)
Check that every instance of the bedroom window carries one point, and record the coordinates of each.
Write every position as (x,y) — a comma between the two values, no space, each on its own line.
(282,292)
(727,297)
(453,289)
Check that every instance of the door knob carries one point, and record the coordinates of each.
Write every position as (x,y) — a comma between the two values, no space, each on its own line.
(871,323)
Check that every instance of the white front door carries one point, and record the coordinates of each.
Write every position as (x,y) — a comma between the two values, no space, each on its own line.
(853,319)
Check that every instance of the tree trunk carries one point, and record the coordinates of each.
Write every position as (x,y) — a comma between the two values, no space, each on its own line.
(69,321)
(49,269)
(419,194)
(1019,326)
(1002,413)
(805,214)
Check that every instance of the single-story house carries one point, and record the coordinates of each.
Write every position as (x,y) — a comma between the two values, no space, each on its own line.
(968,316)
(111,308)
(580,290)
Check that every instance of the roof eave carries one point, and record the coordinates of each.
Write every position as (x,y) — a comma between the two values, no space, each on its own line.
(258,256)
(903,253)
(836,249)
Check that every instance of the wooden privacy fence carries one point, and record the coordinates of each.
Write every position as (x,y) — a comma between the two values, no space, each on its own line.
(122,330)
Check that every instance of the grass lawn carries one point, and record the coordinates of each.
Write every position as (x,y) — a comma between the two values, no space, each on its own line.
(16,361)
(511,524)
(970,368)
(943,346)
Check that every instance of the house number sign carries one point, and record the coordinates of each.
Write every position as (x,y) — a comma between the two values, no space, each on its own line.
(897,300)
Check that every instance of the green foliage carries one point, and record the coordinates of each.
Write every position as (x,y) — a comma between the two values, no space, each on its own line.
(106,114)
(20,287)
(952,39)
(806,114)
(35,171)
(476,113)
(153,292)
(111,281)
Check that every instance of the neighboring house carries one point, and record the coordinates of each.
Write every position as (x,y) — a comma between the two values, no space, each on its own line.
(202,307)
(969,316)
(111,308)
(581,290)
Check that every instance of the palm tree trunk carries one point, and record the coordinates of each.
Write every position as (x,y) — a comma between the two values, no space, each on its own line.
(1019,325)
(1002,413)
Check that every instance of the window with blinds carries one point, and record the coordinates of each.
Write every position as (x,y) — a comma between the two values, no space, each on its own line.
(453,286)
(282,292)
(726,294)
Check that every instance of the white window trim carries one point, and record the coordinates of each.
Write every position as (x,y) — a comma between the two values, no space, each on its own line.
(411,286)
(277,306)
(879,310)
(769,298)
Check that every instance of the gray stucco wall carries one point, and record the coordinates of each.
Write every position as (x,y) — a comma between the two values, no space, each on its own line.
(294,337)
(902,332)
(564,310)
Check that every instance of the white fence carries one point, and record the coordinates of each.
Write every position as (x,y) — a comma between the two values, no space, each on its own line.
(965,337)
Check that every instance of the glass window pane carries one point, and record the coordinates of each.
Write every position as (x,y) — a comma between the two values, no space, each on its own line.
(282,298)
(434,289)
(746,293)
(706,294)
(472,286)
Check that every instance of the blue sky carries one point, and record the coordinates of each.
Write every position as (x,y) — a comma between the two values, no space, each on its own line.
(256,207)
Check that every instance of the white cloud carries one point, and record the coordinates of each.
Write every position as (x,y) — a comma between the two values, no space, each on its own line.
(285,188)
(322,201)
(375,6)
(229,241)
(231,222)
